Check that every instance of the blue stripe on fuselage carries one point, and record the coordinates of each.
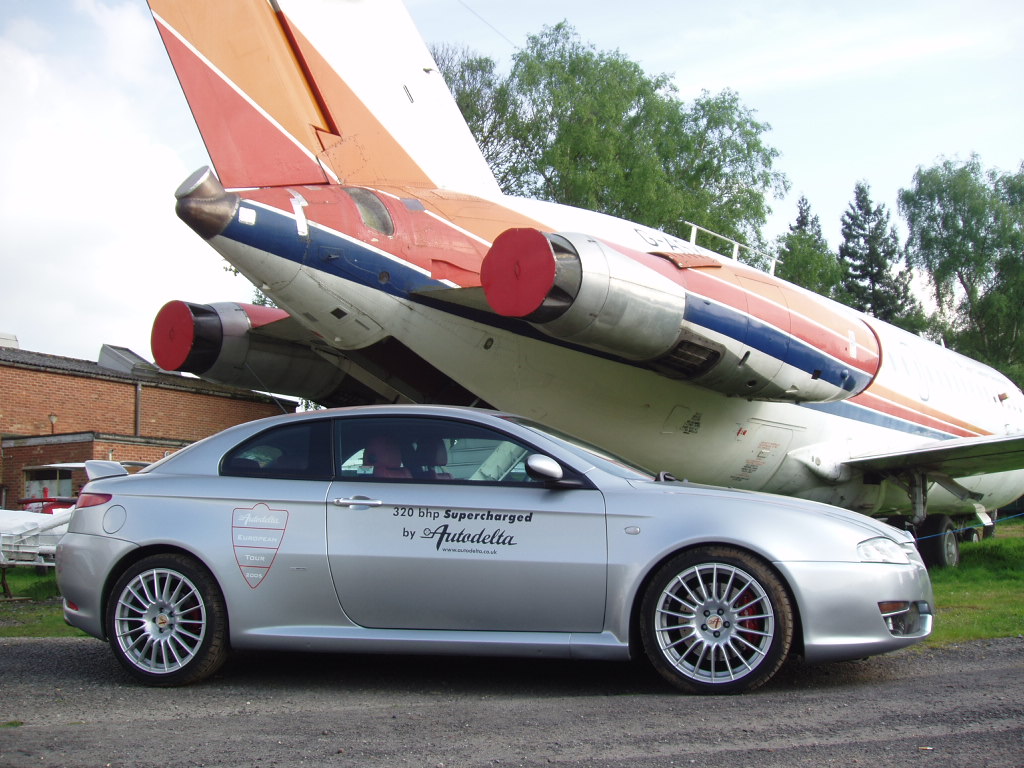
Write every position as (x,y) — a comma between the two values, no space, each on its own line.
(322,249)
(275,232)
(856,412)
(772,341)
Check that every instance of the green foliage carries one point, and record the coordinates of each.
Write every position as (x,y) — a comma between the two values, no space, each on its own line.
(24,581)
(984,596)
(485,99)
(877,280)
(589,128)
(805,258)
(40,614)
(967,232)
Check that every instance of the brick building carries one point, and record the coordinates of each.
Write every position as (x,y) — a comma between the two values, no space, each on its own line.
(63,410)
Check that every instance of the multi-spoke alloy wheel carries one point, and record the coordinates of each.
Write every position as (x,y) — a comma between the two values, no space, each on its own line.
(166,621)
(716,620)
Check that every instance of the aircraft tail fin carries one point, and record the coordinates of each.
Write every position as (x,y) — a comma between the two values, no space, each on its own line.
(341,92)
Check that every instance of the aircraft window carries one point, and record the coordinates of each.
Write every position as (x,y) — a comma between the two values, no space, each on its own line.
(373,211)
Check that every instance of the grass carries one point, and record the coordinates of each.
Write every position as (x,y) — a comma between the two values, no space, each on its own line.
(38,616)
(982,598)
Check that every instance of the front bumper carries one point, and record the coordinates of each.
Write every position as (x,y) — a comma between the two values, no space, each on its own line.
(853,610)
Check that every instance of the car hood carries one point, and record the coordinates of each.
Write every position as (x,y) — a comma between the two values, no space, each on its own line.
(870,526)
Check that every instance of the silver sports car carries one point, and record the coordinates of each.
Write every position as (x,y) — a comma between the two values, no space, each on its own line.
(409,529)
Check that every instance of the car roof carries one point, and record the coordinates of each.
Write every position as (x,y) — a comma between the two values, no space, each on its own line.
(197,456)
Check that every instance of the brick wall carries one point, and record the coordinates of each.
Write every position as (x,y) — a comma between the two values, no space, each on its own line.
(27,398)
(101,416)
(191,415)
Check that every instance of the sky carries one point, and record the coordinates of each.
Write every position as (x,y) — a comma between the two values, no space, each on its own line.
(96,135)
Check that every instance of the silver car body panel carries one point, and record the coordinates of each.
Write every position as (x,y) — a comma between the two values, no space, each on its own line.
(469,568)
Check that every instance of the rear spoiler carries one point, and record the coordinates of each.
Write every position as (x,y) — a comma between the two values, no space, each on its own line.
(95,469)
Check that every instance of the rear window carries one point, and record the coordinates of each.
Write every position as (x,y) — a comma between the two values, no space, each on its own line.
(300,451)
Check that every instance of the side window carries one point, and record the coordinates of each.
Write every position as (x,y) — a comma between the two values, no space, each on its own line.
(428,450)
(300,451)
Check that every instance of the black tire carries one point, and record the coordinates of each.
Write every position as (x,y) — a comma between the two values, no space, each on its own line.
(970,535)
(937,542)
(715,620)
(166,621)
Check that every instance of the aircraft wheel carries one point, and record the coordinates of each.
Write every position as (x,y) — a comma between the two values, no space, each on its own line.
(971,536)
(937,542)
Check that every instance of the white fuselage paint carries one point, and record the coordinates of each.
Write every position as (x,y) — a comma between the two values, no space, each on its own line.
(660,423)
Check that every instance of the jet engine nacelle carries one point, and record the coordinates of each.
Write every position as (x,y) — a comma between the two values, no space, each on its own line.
(221,342)
(732,333)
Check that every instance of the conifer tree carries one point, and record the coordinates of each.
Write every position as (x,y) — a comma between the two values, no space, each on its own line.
(804,257)
(877,278)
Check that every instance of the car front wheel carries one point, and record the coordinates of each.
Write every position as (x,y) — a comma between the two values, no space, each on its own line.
(166,621)
(716,620)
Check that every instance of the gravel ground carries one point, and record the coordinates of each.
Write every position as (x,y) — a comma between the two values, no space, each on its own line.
(66,702)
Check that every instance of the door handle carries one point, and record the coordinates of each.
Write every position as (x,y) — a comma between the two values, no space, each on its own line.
(357,501)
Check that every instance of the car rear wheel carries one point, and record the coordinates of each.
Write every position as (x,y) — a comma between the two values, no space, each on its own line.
(166,621)
(716,620)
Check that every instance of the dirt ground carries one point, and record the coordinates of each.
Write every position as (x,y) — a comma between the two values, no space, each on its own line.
(66,702)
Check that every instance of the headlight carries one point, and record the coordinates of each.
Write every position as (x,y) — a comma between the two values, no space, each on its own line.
(881,550)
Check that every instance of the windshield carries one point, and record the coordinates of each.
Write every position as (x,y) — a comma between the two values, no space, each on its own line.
(600,458)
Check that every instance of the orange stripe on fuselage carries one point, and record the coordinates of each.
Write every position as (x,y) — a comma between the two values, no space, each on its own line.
(892,403)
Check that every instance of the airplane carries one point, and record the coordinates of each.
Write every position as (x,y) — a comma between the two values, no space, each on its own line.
(349,190)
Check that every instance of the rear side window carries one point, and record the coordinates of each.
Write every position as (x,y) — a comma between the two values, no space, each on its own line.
(300,451)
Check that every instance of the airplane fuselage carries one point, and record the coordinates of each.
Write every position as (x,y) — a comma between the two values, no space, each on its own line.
(365,210)
(317,253)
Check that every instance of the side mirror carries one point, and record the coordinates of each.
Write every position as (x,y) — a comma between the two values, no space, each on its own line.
(541,467)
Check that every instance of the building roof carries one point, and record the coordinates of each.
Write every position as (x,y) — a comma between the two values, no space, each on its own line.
(121,364)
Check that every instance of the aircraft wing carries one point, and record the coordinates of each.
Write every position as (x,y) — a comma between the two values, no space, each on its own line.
(961,457)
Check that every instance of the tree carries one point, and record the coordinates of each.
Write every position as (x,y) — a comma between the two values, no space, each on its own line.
(877,280)
(589,128)
(804,257)
(484,98)
(967,232)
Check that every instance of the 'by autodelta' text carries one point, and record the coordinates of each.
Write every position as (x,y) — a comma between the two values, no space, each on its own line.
(443,535)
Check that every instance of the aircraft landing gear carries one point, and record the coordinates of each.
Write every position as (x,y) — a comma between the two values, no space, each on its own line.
(937,542)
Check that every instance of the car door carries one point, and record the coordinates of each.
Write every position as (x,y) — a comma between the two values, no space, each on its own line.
(271,502)
(434,524)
